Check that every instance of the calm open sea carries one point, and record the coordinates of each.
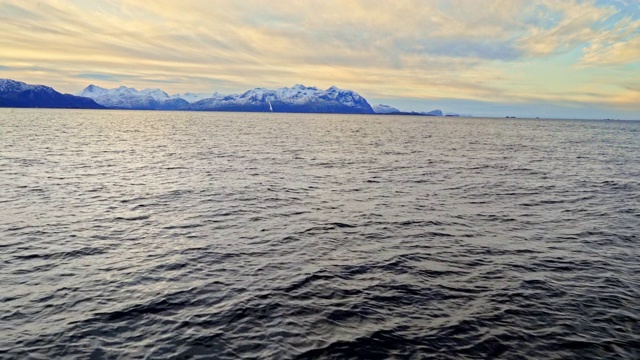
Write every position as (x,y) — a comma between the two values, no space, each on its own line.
(139,234)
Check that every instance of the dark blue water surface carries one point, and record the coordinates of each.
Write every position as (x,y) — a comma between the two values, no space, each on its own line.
(233,235)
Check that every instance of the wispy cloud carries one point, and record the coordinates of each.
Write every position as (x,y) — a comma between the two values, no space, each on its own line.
(618,45)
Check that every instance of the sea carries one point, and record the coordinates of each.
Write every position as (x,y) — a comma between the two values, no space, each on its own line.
(204,235)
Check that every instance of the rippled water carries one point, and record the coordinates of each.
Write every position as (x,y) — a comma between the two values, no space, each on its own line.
(228,235)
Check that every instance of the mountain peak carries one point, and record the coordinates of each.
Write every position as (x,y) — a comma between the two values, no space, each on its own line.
(93,88)
(91,91)
(155,93)
(302,87)
(436,112)
(9,81)
(385,109)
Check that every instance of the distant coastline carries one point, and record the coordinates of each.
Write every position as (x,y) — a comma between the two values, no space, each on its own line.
(297,99)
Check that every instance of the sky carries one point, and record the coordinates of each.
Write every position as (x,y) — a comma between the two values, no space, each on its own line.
(547,58)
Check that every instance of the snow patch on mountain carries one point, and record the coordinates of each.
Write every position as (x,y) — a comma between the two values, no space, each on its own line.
(191,97)
(154,93)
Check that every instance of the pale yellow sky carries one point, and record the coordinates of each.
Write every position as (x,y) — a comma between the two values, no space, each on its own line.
(565,53)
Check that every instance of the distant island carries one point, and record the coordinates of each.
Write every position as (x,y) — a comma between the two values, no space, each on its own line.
(297,99)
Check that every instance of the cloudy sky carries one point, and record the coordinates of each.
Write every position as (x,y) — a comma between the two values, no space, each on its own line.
(481,57)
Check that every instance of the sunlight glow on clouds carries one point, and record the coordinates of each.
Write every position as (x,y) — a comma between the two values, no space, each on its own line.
(523,51)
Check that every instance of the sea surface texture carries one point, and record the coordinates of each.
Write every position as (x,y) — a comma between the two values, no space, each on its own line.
(288,236)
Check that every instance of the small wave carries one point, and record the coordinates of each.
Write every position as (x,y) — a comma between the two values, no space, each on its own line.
(132,218)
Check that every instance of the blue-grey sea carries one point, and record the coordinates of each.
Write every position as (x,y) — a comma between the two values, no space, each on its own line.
(141,234)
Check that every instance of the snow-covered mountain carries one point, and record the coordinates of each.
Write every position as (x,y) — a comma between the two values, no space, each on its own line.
(384,109)
(18,94)
(298,98)
(436,112)
(192,97)
(130,98)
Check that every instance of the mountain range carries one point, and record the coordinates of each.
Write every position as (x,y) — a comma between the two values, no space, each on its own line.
(298,99)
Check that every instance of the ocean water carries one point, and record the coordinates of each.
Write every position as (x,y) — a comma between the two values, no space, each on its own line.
(237,235)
